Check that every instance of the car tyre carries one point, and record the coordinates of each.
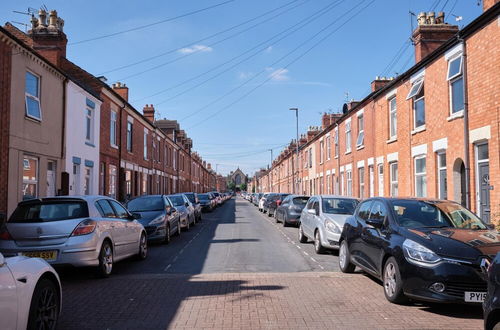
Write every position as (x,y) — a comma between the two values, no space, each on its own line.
(166,240)
(194,220)
(285,223)
(45,305)
(143,247)
(105,260)
(393,285)
(345,264)
(317,243)
(178,228)
(187,224)
(302,237)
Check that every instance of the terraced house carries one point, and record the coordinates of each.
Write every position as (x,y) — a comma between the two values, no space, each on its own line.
(430,132)
(67,132)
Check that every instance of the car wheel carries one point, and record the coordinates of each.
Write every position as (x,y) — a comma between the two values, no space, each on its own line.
(187,224)
(345,259)
(194,220)
(317,243)
(302,237)
(393,285)
(143,247)
(167,235)
(44,307)
(178,228)
(285,223)
(105,260)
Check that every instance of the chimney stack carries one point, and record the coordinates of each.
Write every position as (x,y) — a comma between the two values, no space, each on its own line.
(121,89)
(149,113)
(48,38)
(431,33)
(380,82)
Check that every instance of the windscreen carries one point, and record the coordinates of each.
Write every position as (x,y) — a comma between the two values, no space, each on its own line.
(145,204)
(177,200)
(339,205)
(190,197)
(49,211)
(203,197)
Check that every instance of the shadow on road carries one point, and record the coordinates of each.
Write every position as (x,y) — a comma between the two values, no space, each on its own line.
(143,295)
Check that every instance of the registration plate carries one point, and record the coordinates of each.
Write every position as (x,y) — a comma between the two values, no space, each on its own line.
(47,255)
(477,297)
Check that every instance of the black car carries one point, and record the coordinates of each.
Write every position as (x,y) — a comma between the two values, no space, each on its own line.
(158,216)
(193,198)
(423,249)
(290,209)
(267,200)
(207,205)
(274,202)
(491,305)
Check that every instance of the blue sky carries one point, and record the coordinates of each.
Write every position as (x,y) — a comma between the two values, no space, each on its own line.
(237,111)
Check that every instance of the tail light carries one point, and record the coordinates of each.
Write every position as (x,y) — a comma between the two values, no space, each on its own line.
(85,227)
(5,235)
(278,202)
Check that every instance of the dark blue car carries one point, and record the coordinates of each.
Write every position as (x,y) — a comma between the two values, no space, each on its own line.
(157,215)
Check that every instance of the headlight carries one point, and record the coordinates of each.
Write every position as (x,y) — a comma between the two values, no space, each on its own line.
(419,254)
(332,227)
(157,220)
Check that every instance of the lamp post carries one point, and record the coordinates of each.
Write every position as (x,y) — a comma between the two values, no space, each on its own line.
(295,177)
(271,172)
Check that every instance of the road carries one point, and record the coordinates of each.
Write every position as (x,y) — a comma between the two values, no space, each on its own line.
(239,269)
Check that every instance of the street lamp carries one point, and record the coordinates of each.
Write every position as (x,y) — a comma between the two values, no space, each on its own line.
(271,172)
(296,180)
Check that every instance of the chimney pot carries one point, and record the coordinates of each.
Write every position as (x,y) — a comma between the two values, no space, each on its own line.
(431,18)
(422,18)
(42,14)
(53,19)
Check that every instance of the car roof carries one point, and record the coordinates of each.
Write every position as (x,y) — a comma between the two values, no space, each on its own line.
(335,196)
(86,198)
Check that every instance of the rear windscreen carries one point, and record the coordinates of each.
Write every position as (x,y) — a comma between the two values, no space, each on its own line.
(49,211)
(300,200)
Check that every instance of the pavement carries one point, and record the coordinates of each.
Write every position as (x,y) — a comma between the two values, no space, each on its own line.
(238,269)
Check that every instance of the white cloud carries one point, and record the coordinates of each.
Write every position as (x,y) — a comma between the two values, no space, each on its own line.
(269,49)
(245,75)
(195,48)
(280,74)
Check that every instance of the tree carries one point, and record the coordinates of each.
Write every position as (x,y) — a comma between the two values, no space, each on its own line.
(231,186)
(243,186)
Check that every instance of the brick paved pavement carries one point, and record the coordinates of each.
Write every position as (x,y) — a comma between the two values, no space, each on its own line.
(310,300)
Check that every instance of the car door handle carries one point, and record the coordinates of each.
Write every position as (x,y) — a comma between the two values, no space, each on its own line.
(23,279)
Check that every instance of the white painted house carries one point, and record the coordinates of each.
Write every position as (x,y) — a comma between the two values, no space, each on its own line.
(82,140)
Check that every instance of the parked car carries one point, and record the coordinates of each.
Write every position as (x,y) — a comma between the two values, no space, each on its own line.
(185,209)
(193,199)
(218,198)
(422,249)
(322,220)
(207,204)
(80,231)
(288,212)
(491,305)
(158,216)
(265,204)
(31,295)
(261,199)
(274,202)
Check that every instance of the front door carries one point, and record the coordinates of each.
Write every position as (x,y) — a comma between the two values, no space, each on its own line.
(51,178)
(483,179)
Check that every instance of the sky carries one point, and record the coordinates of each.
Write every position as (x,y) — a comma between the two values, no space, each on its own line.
(229,70)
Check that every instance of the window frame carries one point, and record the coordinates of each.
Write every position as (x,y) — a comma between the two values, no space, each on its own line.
(34,97)
(35,182)
(348,182)
(361,131)
(420,97)
(361,182)
(89,124)
(112,128)
(417,175)
(393,112)
(393,182)
(145,144)
(348,137)
(130,136)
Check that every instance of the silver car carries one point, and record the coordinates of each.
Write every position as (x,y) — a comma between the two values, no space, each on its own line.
(323,218)
(79,231)
(185,209)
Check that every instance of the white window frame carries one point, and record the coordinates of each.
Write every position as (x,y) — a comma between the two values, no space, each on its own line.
(33,97)
(394,185)
(112,173)
(439,169)
(348,182)
(112,129)
(393,118)
(453,79)
(476,169)
(417,175)
(145,144)
(380,176)
(89,124)
(130,136)
(87,180)
(361,182)
(336,142)
(30,181)
(328,148)
(321,151)
(361,131)
(348,137)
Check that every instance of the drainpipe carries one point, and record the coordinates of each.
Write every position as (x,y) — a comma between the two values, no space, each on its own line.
(63,191)
(466,127)
(120,143)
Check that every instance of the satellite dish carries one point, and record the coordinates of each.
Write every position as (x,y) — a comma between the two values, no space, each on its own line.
(345,108)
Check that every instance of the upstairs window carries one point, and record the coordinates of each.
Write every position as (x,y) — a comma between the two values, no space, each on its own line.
(145,144)
(328,148)
(417,94)
(321,154)
(112,129)
(336,142)
(361,132)
(393,119)
(456,82)
(310,158)
(32,96)
(348,137)
(130,127)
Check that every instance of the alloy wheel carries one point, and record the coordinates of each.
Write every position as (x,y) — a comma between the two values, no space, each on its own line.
(390,279)
(47,309)
(107,259)
(343,255)
(143,247)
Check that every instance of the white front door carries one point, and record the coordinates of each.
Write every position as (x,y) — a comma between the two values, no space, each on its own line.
(51,178)
(371,180)
(380,179)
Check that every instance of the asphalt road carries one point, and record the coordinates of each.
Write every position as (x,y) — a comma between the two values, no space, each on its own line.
(238,269)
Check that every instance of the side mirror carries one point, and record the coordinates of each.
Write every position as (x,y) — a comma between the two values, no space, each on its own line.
(2,260)
(376,223)
(136,216)
(187,204)
(173,210)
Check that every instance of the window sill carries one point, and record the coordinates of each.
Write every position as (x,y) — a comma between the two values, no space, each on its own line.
(90,144)
(391,140)
(114,146)
(347,152)
(418,130)
(360,147)
(456,115)
(33,119)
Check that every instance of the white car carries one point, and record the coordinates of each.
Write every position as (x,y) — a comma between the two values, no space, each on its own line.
(30,294)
